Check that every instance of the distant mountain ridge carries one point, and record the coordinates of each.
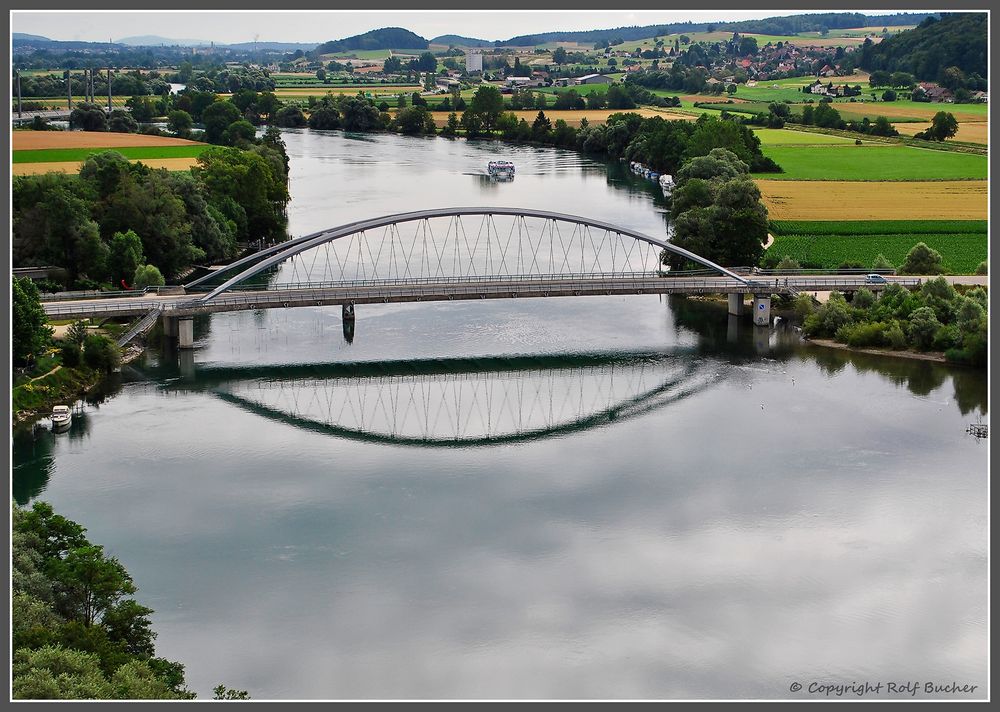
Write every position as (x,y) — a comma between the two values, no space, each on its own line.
(157,41)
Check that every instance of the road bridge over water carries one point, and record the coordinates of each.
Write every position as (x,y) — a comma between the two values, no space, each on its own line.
(450,254)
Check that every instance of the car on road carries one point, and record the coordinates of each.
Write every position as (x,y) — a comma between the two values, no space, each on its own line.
(875,279)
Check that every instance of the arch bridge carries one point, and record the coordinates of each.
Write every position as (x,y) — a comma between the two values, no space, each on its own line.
(446,254)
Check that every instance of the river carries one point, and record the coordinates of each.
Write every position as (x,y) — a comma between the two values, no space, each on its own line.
(593,497)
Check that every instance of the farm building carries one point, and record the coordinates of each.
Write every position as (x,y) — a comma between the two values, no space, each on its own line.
(593,79)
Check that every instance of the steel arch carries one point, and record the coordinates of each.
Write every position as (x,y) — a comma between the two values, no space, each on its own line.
(279,253)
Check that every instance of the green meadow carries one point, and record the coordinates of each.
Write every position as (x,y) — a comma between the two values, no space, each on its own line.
(58,155)
(872,162)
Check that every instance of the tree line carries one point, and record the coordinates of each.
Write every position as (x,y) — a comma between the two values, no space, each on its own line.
(116,217)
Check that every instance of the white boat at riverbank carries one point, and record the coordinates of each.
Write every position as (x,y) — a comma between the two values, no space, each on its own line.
(61,418)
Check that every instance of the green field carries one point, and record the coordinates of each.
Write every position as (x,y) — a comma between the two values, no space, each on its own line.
(58,155)
(878,227)
(849,111)
(789,137)
(961,252)
(872,162)
(764,91)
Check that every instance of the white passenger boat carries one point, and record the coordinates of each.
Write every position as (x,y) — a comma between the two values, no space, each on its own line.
(61,418)
(500,169)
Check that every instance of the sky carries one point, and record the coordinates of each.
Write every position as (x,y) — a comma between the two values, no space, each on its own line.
(321,26)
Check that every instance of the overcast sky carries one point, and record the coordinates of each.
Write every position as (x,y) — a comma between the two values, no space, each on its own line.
(320,26)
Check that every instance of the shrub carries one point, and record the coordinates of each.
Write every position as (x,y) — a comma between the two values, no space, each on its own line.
(863,298)
(803,306)
(895,337)
(147,276)
(982,268)
(788,263)
(923,326)
(881,264)
(101,353)
(946,337)
(921,259)
(69,354)
(869,334)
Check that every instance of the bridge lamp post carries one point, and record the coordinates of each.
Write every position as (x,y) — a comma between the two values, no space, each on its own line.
(17,78)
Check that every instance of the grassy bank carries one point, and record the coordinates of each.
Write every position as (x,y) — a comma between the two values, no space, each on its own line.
(62,386)
(52,155)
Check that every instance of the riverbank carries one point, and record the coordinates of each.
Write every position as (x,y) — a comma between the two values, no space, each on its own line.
(936,356)
(59,385)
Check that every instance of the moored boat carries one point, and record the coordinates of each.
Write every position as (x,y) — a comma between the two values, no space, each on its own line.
(61,417)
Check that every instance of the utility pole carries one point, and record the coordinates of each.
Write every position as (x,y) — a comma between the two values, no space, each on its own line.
(109,90)
(69,90)
(18,76)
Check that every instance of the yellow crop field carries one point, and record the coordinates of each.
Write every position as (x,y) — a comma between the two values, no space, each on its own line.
(909,110)
(171,164)
(34,140)
(970,132)
(860,200)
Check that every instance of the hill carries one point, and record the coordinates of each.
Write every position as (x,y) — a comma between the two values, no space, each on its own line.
(384,38)
(787,25)
(28,38)
(956,40)
(459,41)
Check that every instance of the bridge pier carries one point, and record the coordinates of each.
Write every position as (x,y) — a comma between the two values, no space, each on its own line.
(762,309)
(169,326)
(736,303)
(733,329)
(185,332)
(347,311)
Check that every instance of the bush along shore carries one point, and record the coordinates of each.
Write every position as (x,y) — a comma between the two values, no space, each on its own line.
(936,318)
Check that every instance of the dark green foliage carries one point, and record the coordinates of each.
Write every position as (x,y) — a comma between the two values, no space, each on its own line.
(147,276)
(217,117)
(221,692)
(77,633)
(943,126)
(88,117)
(179,122)
(326,118)
(921,260)
(30,334)
(290,117)
(125,256)
(385,38)
(122,121)
(956,40)
(101,353)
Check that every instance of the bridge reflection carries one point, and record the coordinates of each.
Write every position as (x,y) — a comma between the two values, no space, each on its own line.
(461,402)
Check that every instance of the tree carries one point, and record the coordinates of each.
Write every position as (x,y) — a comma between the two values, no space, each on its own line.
(239,133)
(125,256)
(221,692)
(889,95)
(559,55)
(923,326)
(325,118)
(30,331)
(122,121)
(412,119)
(321,74)
(89,117)
(290,117)
(943,126)
(881,264)
(486,106)
(101,354)
(451,128)
(147,276)
(357,114)
(541,128)
(921,259)
(180,122)
(217,117)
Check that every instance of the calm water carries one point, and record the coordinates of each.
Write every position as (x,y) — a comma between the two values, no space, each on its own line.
(565,498)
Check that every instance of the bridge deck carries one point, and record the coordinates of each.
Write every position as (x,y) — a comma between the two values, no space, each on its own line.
(278,298)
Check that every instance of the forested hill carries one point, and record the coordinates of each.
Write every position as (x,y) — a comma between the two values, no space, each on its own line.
(460,41)
(788,25)
(384,38)
(956,40)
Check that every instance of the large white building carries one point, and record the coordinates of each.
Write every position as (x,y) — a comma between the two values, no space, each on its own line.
(473,60)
